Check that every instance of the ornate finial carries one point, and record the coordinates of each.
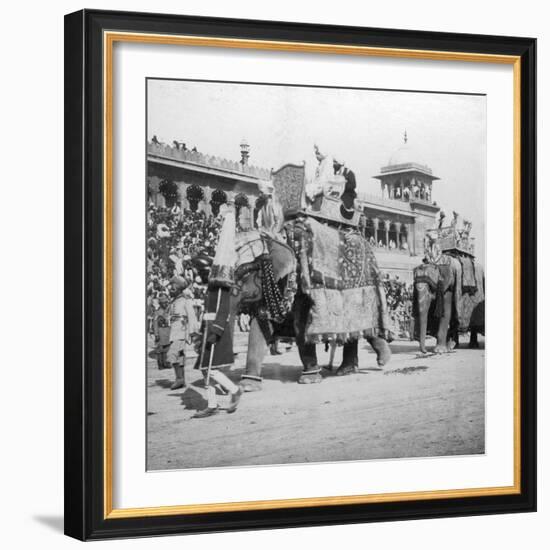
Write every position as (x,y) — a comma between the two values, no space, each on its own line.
(245,152)
(405,138)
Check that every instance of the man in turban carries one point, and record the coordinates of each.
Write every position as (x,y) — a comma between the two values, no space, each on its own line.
(161,330)
(321,182)
(184,327)
(349,194)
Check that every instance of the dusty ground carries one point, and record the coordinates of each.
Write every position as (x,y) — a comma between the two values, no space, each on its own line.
(415,406)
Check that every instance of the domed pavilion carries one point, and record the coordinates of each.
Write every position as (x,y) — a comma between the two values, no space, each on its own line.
(406,176)
(397,219)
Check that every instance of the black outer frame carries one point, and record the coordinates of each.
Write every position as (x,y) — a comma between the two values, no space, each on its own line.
(84,515)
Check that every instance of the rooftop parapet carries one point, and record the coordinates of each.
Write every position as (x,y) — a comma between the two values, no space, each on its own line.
(186,155)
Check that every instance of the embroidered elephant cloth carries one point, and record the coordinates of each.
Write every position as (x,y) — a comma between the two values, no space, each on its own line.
(337,259)
(469,279)
(339,272)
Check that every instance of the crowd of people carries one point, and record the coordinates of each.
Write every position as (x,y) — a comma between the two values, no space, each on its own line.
(180,243)
(392,245)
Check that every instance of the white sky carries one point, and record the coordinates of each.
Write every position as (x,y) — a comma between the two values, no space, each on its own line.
(364,127)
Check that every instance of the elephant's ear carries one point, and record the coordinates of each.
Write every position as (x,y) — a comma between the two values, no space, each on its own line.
(283,258)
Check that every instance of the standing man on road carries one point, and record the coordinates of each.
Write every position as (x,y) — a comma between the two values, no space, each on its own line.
(161,331)
(183,327)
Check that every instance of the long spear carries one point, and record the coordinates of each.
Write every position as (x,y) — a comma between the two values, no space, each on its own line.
(213,347)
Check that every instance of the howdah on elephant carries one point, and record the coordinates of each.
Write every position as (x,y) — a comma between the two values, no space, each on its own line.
(314,283)
(449,298)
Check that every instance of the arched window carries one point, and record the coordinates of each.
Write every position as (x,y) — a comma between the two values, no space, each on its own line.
(382,233)
(240,200)
(369,228)
(194,195)
(403,237)
(260,201)
(219,197)
(393,237)
(169,191)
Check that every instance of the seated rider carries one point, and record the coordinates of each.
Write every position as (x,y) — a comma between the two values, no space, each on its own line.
(349,194)
(321,182)
(332,179)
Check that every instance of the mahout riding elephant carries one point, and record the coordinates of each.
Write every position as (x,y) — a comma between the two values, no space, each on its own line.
(275,281)
(449,298)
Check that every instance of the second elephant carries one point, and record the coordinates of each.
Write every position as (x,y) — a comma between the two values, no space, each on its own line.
(449,298)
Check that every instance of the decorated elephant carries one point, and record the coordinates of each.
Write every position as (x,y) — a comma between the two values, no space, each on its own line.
(314,283)
(449,298)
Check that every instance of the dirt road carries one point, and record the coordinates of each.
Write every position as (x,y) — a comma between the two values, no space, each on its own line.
(415,406)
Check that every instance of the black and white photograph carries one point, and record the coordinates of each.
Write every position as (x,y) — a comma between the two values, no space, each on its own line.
(315,274)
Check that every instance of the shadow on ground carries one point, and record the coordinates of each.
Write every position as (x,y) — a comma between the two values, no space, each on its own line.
(163,383)
(408,370)
(273,371)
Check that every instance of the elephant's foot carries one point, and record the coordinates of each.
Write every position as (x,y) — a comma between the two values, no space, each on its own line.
(382,349)
(439,349)
(310,377)
(250,383)
(451,345)
(344,370)
(474,345)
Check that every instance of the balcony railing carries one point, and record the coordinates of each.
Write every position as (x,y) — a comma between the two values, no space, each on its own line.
(393,203)
(167,151)
(387,250)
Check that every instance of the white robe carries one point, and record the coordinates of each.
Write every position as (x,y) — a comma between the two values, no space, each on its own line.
(323,174)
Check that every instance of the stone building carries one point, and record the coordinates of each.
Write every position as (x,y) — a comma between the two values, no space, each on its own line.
(395,220)
(202,182)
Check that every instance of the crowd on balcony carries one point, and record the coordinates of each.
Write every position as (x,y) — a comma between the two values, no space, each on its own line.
(179,145)
(392,245)
(408,191)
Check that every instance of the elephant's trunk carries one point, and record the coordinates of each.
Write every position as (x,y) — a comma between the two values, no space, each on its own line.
(423,299)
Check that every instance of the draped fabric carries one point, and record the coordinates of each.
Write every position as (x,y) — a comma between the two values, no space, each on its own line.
(339,274)
(472,304)
(219,319)
(469,282)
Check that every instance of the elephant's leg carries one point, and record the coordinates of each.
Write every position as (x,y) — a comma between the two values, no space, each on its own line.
(474,344)
(424,299)
(441,346)
(350,359)
(308,354)
(251,380)
(382,349)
